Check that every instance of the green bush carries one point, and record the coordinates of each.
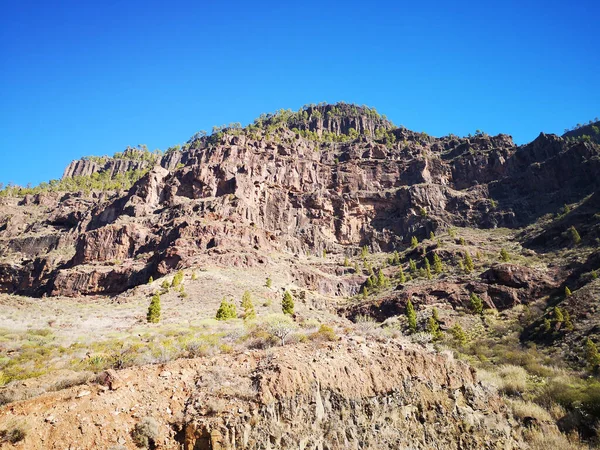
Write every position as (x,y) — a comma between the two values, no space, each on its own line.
(438,267)
(401,276)
(287,304)
(427,268)
(153,315)
(458,334)
(325,333)
(226,311)
(504,256)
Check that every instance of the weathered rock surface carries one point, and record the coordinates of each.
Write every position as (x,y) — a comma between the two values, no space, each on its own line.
(260,190)
(339,396)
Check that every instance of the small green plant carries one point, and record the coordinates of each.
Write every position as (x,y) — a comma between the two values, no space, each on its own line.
(287,304)
(414,242)
(153,315)
(504,256)
(462,241)
(567,291)
(194,276)
(422,211)
(269,283)
(226,311)
(248,306)
(177,279)
(346,262)
(431,235)
(411,315)
(382,280)
(452,232)
(594,275)
(574,235)
(165,285)
(325,333)
(475,303)
(324,253)
(150,280)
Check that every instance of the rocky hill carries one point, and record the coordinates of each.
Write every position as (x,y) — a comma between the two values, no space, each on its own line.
(494,245)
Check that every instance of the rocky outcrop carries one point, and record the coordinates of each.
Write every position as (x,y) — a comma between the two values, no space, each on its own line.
(275,187)
(342,395)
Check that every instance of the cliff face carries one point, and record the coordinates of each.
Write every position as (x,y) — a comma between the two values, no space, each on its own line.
(274,188)
(346,395)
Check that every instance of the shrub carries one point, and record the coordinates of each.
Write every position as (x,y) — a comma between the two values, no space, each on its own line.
(165,285)
(280,326)
(269,283)
(431,235)
(476,303)
(145,433)
(177,279)
(226,311)
(365,323)
(249,312)
(462,241)
(153,315)
(514,379)
(346,262)
(194,276)
(526,410)
(364,252)
(567,291)
(287,304)
(325,333)
(504,256)
(411,315)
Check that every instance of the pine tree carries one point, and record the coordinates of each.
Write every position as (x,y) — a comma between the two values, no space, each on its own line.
(568,322)
(438,267)
(414,242)
(547,325)
(381,279)
(364,252)
(177,279)
(591,355)
(287,304)
(458,334)
(412,267)
(435,314)
(365,292)
(567,291)
(401,276)
(431,235)
(433,327)
(226,311)
(427,268)
(249,312)
(476,303)
(269,283)
(558,315)
(469,266)
(346,262)
(504,256)
(411,315)
(153,315)
(151,279)
(574,235)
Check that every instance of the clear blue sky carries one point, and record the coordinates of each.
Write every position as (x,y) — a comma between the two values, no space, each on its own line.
(91,77)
